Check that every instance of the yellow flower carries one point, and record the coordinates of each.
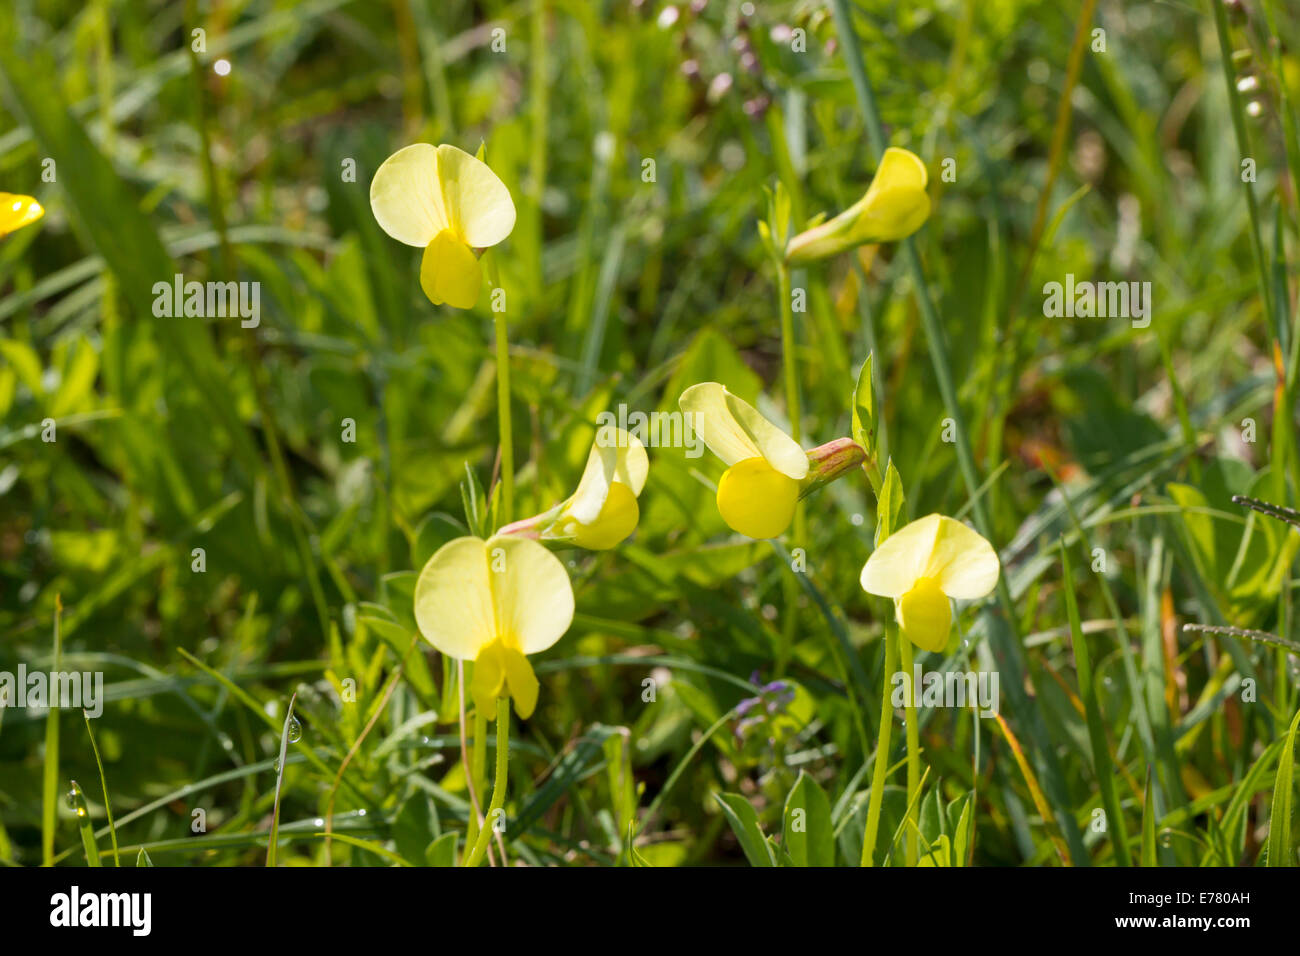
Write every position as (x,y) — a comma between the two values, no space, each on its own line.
(758,491)
(444,200)
(923,565)
(894,206)
(493,602)
(603,511)
(17,211)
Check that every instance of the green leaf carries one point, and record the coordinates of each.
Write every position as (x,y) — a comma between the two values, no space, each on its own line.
(83,825)
(963,828)
(77,379)
(744,823)
(1279,821)
(890,504)
(434,531)
(865,420)
(574,765)
(938,853)
(442,851)
(1103,770)
(413,827)
(809,836)
(1148,857)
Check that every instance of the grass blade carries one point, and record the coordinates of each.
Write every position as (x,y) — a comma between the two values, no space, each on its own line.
(1279,821)
(50,794)
(78,800)
(1035,791)
(279,779)
(1101,761)
(1148,856)
(103,782)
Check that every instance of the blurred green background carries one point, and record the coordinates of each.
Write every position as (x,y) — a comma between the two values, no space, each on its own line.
(178,434)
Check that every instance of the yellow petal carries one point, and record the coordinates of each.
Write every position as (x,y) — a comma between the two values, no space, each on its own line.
(489,680)
(521,681)
(617,519)
(450,273)
(735,431)
(17,211)
(756,499)
(406,196)
(454,606)
(925,615)
(965,565)
(896,203)
(478,204)
(894,206)
(904,557)
(502,671)
(533,595)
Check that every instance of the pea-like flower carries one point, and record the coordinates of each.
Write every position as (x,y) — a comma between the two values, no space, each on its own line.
(924,564)
(449,203)
(895,206)
(17,211)
(603,511)
(493,602)
(758,491)
(767,471)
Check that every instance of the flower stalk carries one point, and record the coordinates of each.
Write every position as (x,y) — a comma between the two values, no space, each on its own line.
(878,772)
(498,786)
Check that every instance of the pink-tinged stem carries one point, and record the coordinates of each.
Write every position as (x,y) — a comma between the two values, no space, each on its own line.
(526,528)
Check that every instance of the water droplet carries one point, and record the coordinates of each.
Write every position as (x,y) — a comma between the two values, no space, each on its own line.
(295,730)
(361,813)
(71,798)
(857,520)
(1248,84)
(319,822)
(1166,838)
(1254,108)
(276,766)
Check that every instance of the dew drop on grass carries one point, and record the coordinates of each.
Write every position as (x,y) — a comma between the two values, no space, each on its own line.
(295,730)
(71,799)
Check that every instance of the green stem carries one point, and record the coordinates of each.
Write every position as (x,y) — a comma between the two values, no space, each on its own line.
(103,783)
(788,357)
(911,844)
(478,760)
(498,785)
(1282,403)
(539,94)
(507,511)
(789,362)
(1243,148)
(49,812)
(877,794)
